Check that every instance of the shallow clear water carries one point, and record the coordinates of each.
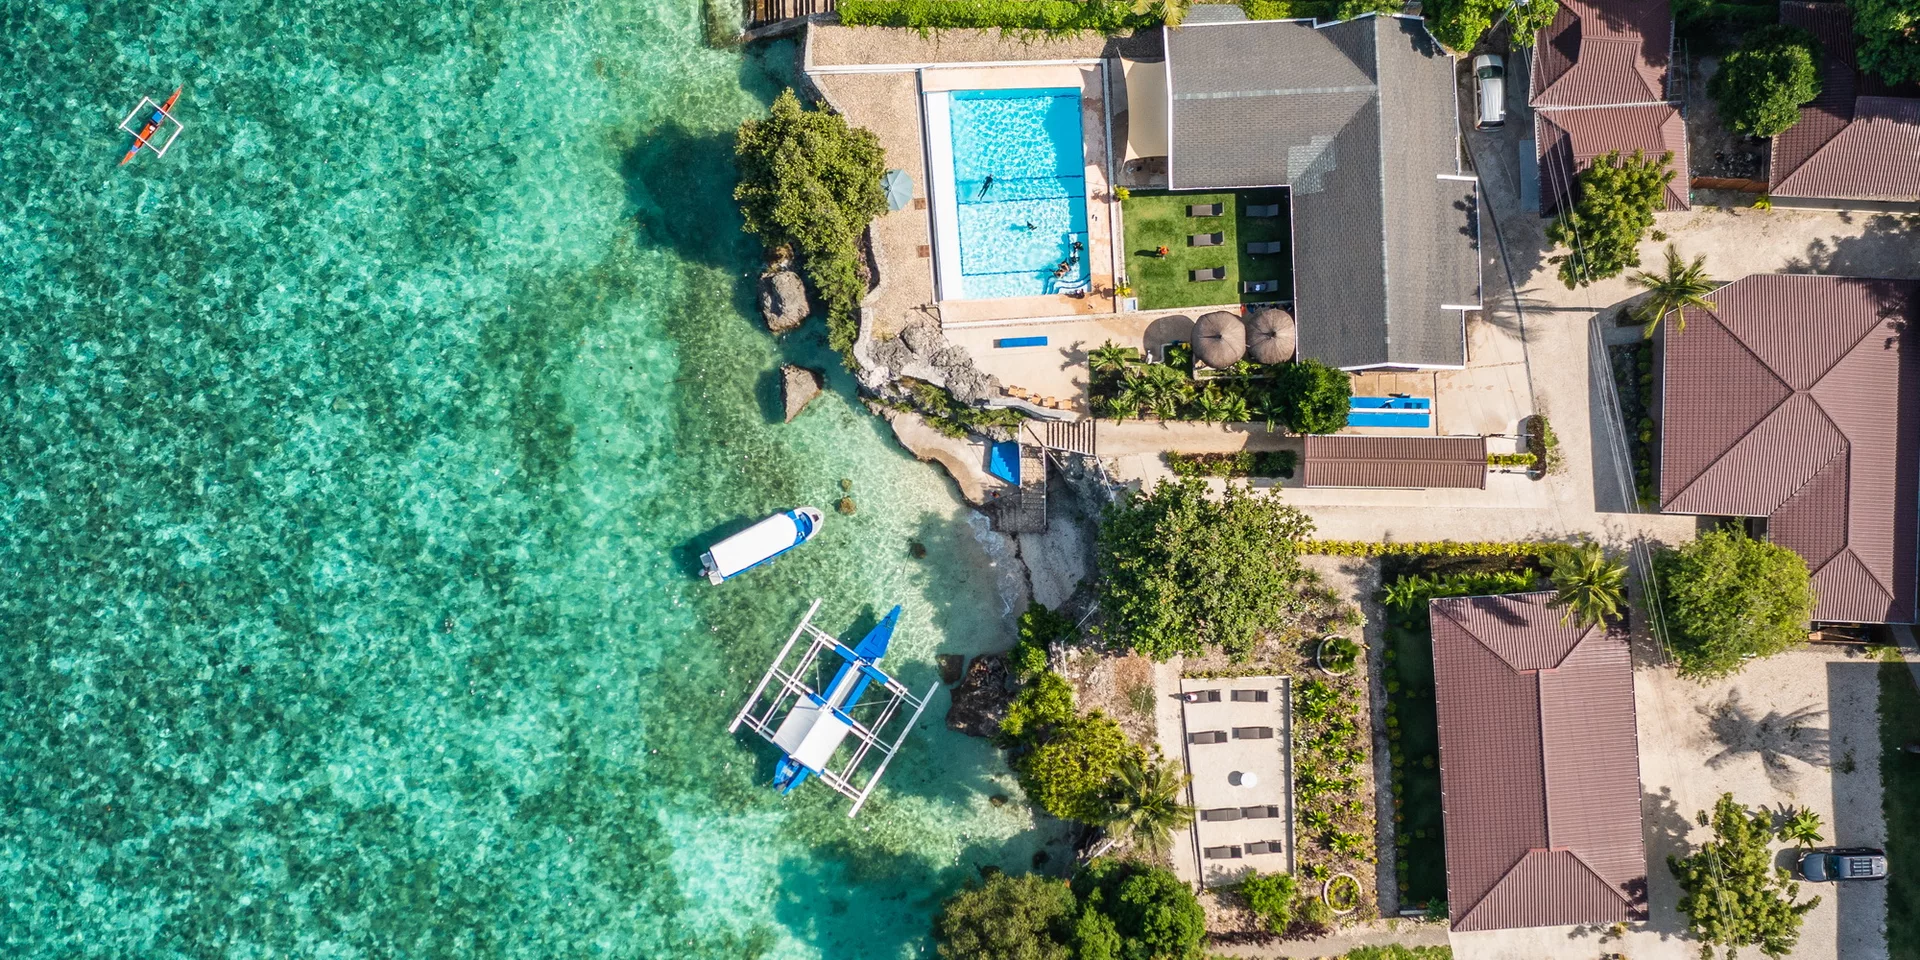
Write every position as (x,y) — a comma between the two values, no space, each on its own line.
(355,459)
(1018,230)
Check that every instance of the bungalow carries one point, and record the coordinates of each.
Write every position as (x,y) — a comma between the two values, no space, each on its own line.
(1599,83)
(1358,120)
(1539,766)
(1858,140)
(1796,401)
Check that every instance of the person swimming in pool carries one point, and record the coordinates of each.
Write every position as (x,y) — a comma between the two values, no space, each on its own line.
(985,185)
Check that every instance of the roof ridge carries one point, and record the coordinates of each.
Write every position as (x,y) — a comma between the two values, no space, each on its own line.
(1714,313)
(1582,861)
(1504,874)
(1787,181)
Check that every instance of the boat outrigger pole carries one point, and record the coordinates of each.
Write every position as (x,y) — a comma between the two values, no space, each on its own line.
(159,118)
(812,726)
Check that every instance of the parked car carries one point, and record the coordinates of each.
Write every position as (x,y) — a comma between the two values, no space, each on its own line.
(1843,863)
(1490,90)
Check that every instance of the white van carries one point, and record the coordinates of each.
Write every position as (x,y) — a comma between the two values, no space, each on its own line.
(1490,90)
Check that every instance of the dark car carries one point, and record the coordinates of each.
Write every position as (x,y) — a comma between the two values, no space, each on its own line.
(1843,863)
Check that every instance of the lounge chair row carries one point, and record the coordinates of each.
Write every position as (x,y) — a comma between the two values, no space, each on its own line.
(1210,274)
(1235,851)
(1226,814)
(1239,733)
(1213,696)
(1254,247)
(1217,209)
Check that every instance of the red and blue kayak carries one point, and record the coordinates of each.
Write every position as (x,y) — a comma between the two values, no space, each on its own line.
(152,126)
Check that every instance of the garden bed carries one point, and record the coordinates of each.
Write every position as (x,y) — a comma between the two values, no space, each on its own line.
(1155,220)
(1633,377)
(1245,463)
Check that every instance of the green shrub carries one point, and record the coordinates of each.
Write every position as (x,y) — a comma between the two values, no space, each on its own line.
(1311,397)
(810,183)
(1040,628)
(1339,654)
(1727,597)
(1459,23)
(1511,459)
(1007,918)
(1411,593)
(1888,46)
(1046,703)
(1434,548)
(1068,773)
(1244,463)
(1270,898)
(1154,913)
(1312,916)
(1613,205)
(1053,17)
(1761,86)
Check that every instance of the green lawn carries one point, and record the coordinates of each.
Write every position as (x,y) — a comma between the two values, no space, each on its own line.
(1160,219)
(1425,854)
(1900,801)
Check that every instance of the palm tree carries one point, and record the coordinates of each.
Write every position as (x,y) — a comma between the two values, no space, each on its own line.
(1145,805)
(1110,357)
(1168,389)
(1802,828)
(1403,593)
(1588,584)
(1682,285)
(1212,405)
(1132,397)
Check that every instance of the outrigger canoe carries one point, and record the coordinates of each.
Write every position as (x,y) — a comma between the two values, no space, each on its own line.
(152,125)
(802,736)
(760,543)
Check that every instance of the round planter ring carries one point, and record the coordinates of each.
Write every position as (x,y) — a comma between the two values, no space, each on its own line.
(1326,893)
(1320,661)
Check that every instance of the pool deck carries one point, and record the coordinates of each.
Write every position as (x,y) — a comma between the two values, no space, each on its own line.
(877,78)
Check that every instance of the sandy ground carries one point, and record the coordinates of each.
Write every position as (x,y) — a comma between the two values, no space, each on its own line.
(1795,731)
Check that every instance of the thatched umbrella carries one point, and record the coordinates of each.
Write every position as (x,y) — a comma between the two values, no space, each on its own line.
(1219,340)
(1270,335)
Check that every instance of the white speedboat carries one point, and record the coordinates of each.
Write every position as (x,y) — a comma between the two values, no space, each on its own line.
(760,543)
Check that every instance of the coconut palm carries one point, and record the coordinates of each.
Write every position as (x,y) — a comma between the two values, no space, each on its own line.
(1132,397)
(1145,805)
(1212,405)
(1587,583)
(1167,388)
(1680,286)
(1110,357)
(1802,829)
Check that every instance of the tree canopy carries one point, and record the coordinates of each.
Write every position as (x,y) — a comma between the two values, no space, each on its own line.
(1587,584)
(1613,205)
(1008,918)
(1730,890)
(1761,86)
(810,183)
(1181,570)
(1067,763)
(1155,915)
(1459,23)
(1889,32)
(1726,596)
(1311,397)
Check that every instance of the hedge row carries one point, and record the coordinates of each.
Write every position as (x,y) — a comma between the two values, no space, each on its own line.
(1434,548)
(1511,459)
(1243,463)
(1043,16)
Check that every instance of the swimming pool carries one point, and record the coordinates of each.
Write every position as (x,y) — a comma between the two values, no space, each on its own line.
(1010,192)
(1390,412)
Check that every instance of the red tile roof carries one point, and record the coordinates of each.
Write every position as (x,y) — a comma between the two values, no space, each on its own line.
(1346,460)
(1603,54)
(1858,140)
(1539,766)
(1568,140)
(1797,398)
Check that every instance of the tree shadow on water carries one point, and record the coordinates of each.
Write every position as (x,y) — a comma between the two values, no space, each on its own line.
(680,187)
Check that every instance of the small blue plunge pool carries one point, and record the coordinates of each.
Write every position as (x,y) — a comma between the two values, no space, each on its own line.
(1011,192)
(1391,412)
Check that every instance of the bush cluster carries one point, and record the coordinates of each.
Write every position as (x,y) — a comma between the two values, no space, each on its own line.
(1459,23)
(1614,200)
(1542,443)
(1760,87)
(1244,463)
(1511,459)
(955,419)
(1727,598)
(1112,910)
(1066,761)
(1330,757)
(1633,380)
(1305,396)
(1052,17)
(1433,548)
(1411,593)
(1040,629)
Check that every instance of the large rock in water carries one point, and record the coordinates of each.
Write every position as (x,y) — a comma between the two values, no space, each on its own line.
(980,701)
(799,385)
(783,300)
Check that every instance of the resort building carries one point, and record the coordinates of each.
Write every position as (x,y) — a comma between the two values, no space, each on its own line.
(1539,766)
(1795,401)
(1600,82)
(1358,121)
(1858,140)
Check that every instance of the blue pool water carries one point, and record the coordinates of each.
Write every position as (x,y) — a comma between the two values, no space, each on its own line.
(1390,412)
(1018,230)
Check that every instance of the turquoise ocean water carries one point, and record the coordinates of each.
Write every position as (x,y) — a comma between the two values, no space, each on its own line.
(354,462)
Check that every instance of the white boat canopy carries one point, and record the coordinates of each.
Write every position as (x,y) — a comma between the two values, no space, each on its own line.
(810,734)
(754,544)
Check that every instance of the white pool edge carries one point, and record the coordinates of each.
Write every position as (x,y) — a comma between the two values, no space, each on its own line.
(942,195)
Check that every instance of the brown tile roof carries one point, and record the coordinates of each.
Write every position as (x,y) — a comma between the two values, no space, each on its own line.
(1797,398)
(1603,54)
(1345,460)
(1539,766)
(1568,140)
(1858,140)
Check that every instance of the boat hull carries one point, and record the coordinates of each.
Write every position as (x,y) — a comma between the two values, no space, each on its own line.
(760,544)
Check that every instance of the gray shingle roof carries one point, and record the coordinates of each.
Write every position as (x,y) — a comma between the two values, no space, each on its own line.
(1357,119)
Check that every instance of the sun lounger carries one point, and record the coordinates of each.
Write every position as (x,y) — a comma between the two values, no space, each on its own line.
(1249,696)
(1263,210)
(1222,853)
(1205,209)
(1260,286)
(1265,846)
(1206,274)
(1220,814)
(1206,239)
(1267,812)
(1253,733)
(1202,696)
(1267,246)
(1208,736)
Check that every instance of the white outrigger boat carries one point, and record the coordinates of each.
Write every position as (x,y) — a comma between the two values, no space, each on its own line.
(812,726)
(760,543)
